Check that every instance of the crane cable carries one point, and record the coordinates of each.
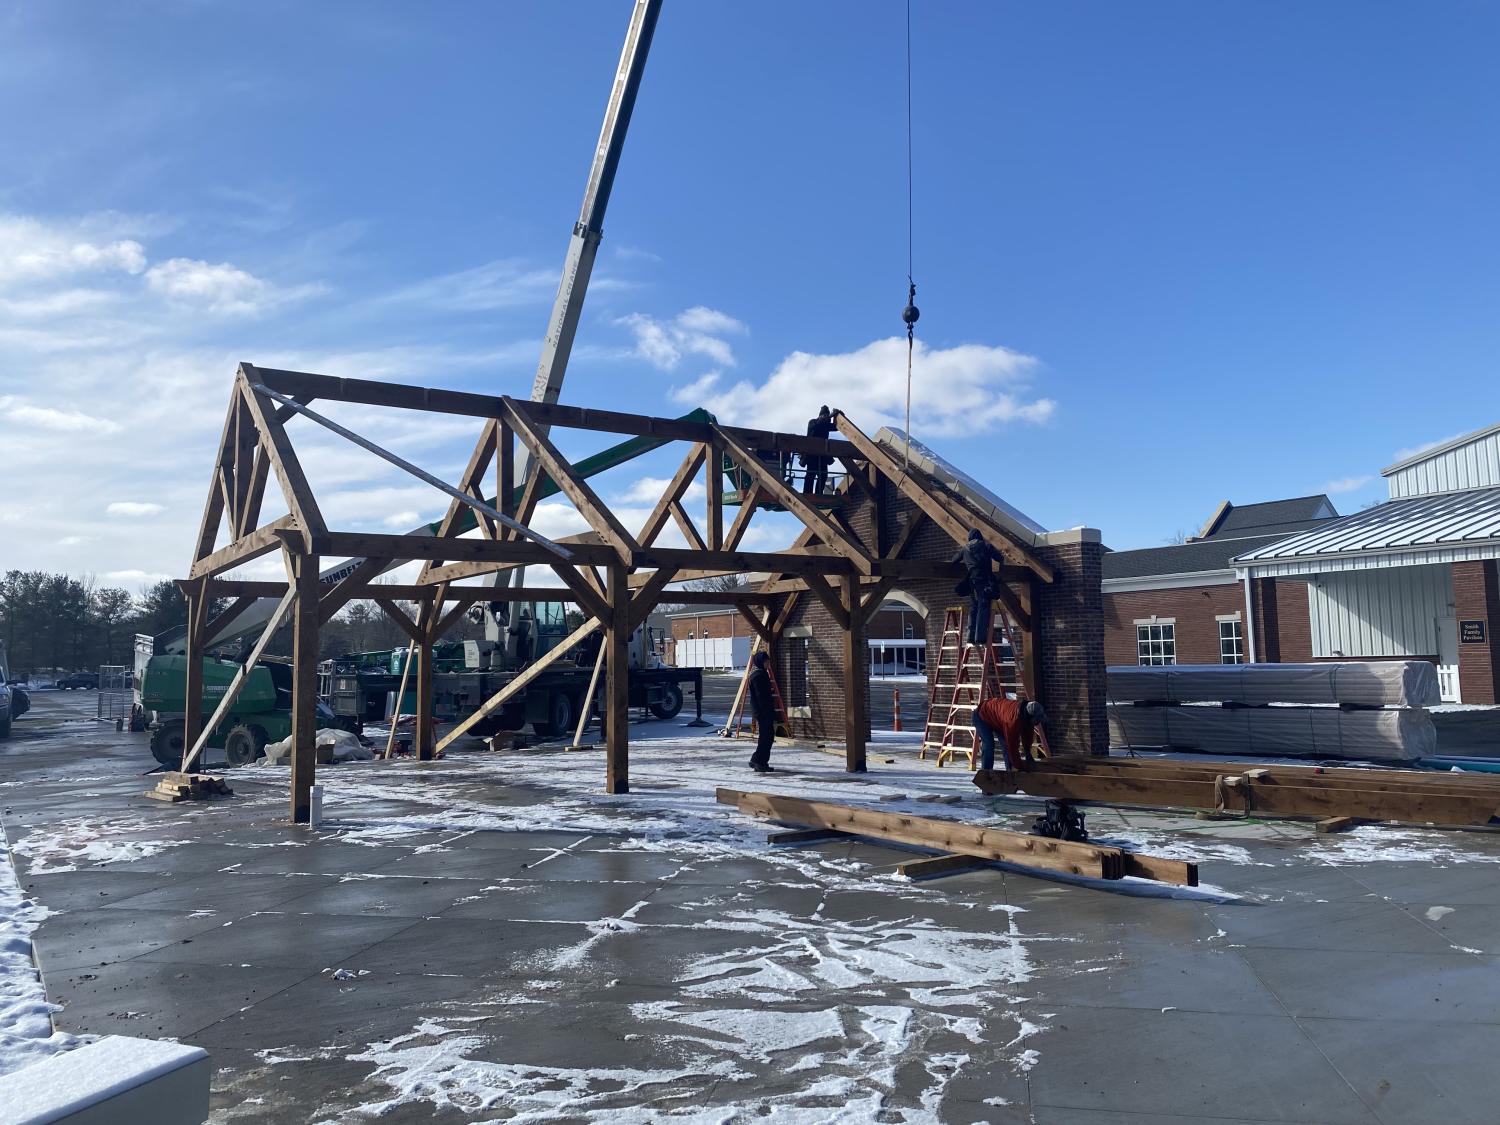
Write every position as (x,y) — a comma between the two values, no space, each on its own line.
(911,313)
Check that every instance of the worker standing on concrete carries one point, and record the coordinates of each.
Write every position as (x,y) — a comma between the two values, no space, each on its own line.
(763,707)
(1016,721)
(979,583)
(521,630)
(817,466)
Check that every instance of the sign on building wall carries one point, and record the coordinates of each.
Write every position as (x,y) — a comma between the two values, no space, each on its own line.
(1471,632)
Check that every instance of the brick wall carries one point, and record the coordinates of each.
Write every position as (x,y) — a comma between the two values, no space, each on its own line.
(1283,631)
(1195,609)
(1476,596)
(710,625)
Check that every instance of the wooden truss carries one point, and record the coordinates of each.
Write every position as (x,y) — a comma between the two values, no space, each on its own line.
(616,576)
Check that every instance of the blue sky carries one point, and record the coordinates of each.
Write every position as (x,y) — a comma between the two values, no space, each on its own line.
(1168,253)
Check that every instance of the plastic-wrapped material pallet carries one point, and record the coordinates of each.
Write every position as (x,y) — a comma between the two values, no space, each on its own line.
(1296,732)
(1362,683)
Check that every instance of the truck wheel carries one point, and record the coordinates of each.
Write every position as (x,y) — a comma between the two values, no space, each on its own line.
(669,706)
(244,744)
(560,715)
(167,744)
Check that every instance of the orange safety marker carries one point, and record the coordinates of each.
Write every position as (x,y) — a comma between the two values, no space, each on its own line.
(896,722)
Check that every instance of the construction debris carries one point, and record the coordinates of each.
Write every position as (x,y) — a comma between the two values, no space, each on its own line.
(973,843)
(176,786)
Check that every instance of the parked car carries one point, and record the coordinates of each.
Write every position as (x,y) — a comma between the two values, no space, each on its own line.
(7,698)
(82,680)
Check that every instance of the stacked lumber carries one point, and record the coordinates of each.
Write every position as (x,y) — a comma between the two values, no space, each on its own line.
(962,844)
(1406,796)
(1351,683)
(1388,735)
(176,786)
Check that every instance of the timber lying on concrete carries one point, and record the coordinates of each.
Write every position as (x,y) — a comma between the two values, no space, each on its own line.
(1407,796)
(969,841)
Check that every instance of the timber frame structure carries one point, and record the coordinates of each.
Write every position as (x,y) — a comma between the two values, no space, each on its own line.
(847,565)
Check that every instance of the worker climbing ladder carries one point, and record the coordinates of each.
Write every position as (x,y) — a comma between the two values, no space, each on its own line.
(967,675)
(740,719)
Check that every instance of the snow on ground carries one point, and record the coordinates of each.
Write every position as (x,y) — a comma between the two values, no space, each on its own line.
(90,842)
(26,1034)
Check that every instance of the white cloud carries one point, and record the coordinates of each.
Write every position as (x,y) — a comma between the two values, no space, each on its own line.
(695,331)
(15,409)
(503,284)
(1347,484)
(217,288)
(1412,451)
(648,490)
(404,520)
(135,509)
(32,250)
(966,389)
(76,540)
(135,576)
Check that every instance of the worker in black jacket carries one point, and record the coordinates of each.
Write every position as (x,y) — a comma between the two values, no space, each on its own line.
(763,707)
(817,466)
(979,580)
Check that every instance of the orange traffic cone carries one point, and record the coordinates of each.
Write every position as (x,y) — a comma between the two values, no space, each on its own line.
(896,694)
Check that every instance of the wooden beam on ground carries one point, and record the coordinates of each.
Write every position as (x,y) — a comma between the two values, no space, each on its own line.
(1042,852)
(938,865)
(522,679)
(1246,787)
(806,836)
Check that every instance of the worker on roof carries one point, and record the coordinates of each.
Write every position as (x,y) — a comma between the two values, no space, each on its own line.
(1016,721)
(979,583)
(763,707)
(816,465)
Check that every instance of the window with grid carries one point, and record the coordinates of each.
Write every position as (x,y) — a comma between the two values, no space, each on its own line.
(1231,643)
(1156,643)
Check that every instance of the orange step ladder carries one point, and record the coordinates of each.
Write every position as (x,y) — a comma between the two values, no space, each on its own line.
(741,721)
(967,675)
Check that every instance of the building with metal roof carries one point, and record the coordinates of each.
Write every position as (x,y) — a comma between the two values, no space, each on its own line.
(1414,576)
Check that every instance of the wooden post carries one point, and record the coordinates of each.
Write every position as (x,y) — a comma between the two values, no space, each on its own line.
(304,686)
(714,483)
(424,738)
(192,692)
(617,689)
(856,698)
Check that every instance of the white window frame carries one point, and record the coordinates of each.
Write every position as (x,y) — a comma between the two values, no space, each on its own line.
(1237,637)
(1164,641)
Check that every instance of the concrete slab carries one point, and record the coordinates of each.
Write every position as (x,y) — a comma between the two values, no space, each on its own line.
(1438,987)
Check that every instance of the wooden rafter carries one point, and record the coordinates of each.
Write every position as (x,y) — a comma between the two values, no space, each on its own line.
(645,599)
(674,490)
(284,463)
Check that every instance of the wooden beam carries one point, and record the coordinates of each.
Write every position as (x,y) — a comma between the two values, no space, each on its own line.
(600,518)
(856,680)
(617,685)
(675,488)
(583,592)
(805,836)
(1041,852)
(762,628)
(405,396)
(259,542)
(232,692)
(930,503)
(713,479)
(212,630)
(474,472)
(214,507)
(749,500)
(1235,787)
(424,736)
(276,445)
(831,600)
(646,598)
(304,686)
(688,528)
(520,682)
(402,620)
(809,514)
(938,865)
(344,590)
(197,616)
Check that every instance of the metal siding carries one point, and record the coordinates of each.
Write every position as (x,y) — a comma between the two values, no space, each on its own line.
(1474,465)
(1386,612)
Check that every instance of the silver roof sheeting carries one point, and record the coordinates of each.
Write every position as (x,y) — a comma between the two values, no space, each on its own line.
(1451,527)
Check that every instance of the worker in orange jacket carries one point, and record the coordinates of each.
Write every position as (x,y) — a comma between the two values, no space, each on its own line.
(1016,721)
